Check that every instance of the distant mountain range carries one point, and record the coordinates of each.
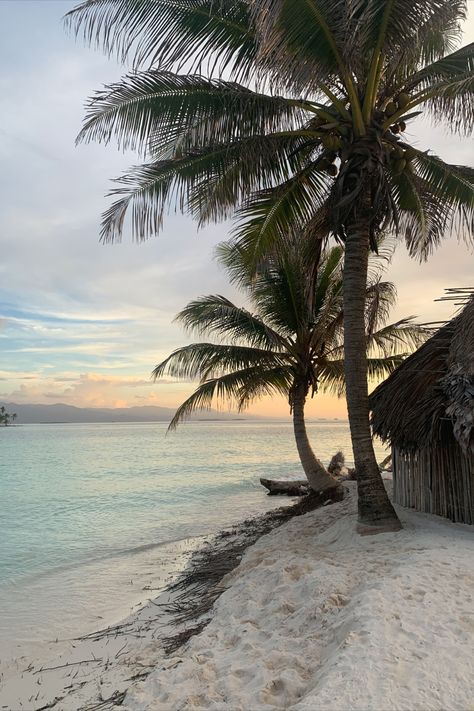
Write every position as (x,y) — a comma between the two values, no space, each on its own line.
(29,414)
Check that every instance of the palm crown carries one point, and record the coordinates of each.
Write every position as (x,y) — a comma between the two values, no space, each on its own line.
(354,75)
(292,339)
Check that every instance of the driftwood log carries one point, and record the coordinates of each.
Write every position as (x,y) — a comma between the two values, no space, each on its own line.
(290,487)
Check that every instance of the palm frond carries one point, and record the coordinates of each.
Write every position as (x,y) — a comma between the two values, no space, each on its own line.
(380,298)
(275,212)
(331,376)
(328,277)
(397,338)
(381,368)
(439,34)
(207,182)
(280,295)
(435,199)
(304,44)
(206,360)
(451,100)
(423,30)
(197,34)
(156,111)
(453,187)
(240,388)
(216,314)
(277,381)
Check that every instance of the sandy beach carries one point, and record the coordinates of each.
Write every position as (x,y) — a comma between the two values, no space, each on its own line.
(314,617)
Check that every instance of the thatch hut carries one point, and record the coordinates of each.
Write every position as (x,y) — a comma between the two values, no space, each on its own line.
(425,410)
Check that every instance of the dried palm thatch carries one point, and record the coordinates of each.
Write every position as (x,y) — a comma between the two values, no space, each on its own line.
(431,394)
(425,409)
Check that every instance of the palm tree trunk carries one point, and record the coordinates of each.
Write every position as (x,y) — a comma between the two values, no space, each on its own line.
(316,473)
(375,509)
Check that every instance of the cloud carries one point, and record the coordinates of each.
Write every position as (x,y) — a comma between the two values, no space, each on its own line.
(70,305)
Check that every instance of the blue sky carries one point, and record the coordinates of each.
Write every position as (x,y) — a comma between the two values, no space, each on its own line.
(85,323)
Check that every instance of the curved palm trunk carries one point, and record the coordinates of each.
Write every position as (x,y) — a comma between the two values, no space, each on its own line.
(316,473)
(375,508)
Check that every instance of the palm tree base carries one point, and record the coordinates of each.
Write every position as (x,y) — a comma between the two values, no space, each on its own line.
(389,526)
(375,511)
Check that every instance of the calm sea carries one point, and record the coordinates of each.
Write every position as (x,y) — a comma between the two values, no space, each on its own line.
(94,517)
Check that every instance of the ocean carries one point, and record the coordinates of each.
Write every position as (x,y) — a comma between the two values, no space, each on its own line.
(95,518)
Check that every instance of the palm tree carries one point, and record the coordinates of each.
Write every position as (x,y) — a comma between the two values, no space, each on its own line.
(6,417)
(288,107)
(291,343)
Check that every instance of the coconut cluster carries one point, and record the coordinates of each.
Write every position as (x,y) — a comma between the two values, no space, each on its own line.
(394,107)
(337,133)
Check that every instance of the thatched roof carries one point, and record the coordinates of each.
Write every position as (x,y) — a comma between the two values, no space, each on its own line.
(430,396)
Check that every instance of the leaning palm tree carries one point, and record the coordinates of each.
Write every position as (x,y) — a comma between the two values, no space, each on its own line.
(287,107)
(290,344)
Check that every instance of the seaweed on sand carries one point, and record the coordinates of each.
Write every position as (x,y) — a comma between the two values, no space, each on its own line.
(202,583)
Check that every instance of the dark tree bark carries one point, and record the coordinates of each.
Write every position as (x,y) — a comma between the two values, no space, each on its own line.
(316,473)
(376,512)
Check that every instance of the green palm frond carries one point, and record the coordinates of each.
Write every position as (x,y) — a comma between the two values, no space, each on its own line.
(233,256)
(209,360)
(279,294)
(446,68)
(155,111)
(273,213)
(208,182)
(240,387)
(201,34)
(218,315)
(331,377)
(446,87)
(329,278)
(381,368)
(440,34)
(452,186)
(304,42)
(423,31)
(398,338)
(275,381)
(380,298)
(435,199)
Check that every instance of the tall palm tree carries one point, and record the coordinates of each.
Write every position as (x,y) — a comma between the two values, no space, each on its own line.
(291,343)
(287,107)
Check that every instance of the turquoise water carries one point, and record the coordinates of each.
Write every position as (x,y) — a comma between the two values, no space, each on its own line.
(85,506)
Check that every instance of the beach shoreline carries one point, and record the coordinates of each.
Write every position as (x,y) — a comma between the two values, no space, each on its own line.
(314,616)
(77,672)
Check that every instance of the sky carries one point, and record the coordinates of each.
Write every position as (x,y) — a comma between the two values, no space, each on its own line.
(84,323)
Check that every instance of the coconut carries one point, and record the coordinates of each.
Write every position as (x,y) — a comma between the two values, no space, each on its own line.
(391,108)
(399,166)
(404,99)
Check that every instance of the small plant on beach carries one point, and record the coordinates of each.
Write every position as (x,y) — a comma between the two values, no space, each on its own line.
(291,343)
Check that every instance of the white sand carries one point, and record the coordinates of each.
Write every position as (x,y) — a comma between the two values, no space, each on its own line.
(318,617)
(315,618)
(77,672)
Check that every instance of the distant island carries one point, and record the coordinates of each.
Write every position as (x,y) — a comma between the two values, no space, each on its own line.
(61,413)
